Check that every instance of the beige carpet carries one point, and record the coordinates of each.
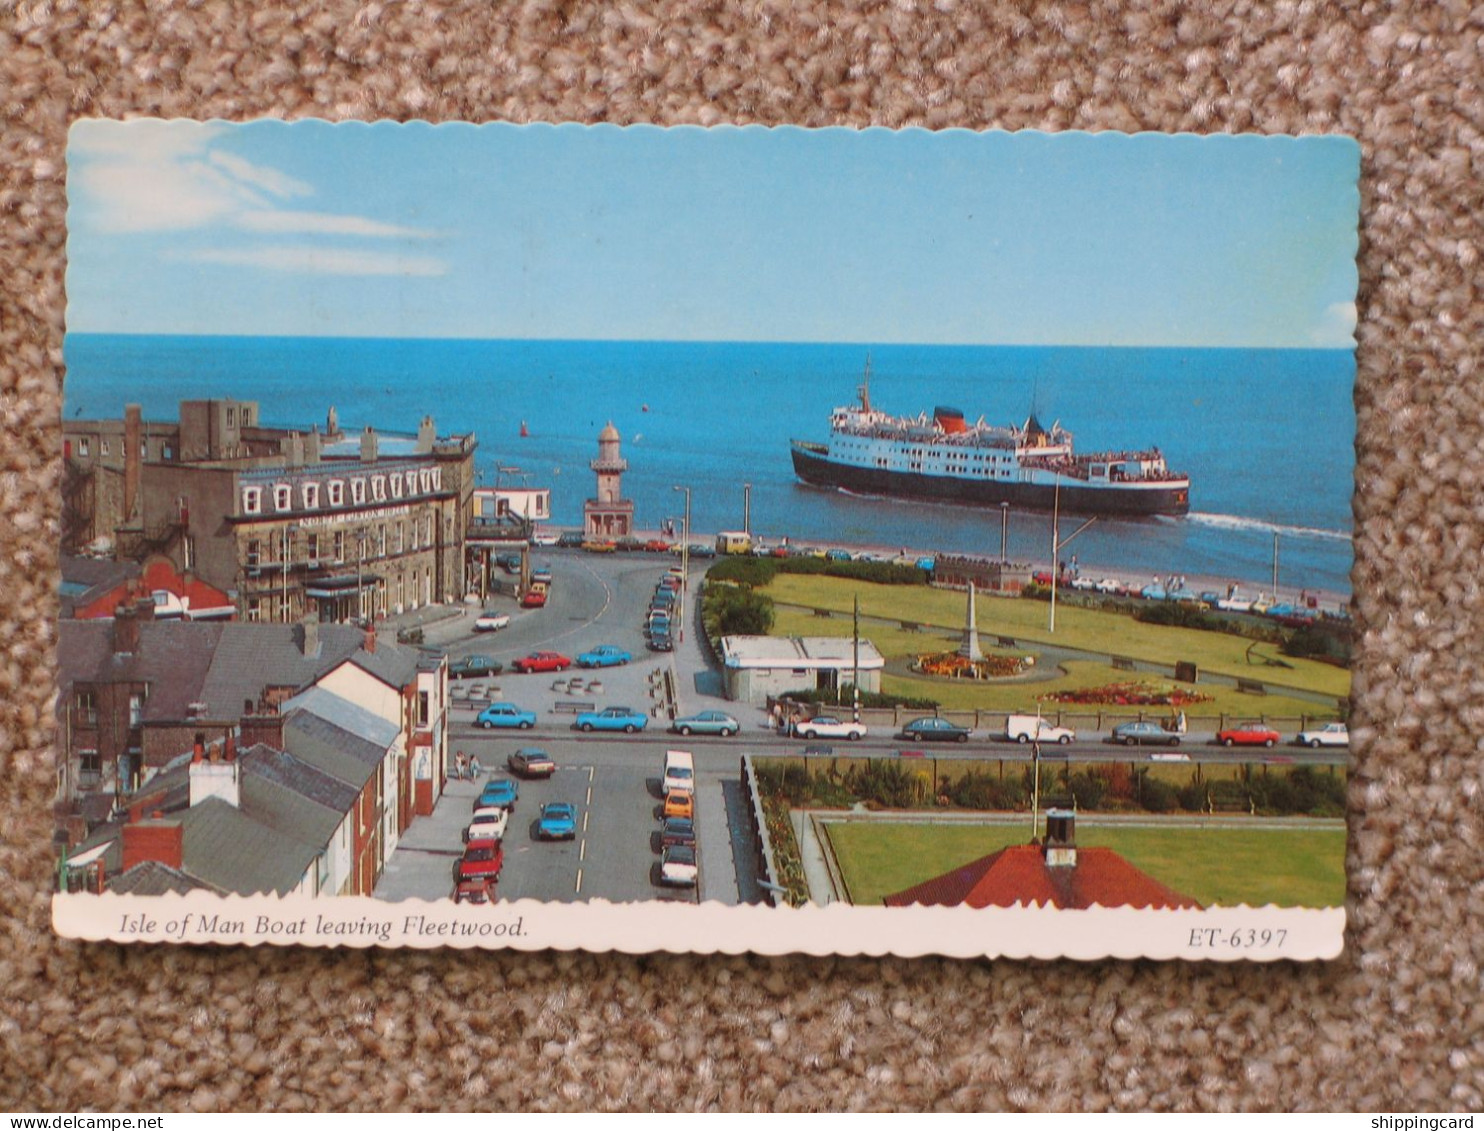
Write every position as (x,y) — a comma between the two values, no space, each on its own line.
(1396,1023)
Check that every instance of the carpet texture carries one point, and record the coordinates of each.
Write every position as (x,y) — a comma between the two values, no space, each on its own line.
(1395,1023)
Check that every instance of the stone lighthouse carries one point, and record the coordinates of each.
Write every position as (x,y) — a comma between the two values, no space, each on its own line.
(609,515)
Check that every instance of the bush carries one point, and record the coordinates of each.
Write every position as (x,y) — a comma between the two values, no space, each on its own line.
(1087,789)
(985,791)
(1156,796)
(1180,614)
(889,784)
(1192,797)
(845,698)
(1319,642)
(728,610)
(757,572)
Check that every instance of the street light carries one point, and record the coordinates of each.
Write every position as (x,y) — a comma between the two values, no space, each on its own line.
(747,509)
(288,532)
(1004,531)
(684,559)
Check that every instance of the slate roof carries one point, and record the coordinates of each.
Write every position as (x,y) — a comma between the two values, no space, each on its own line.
(150,877)
(230,850)
(393,664)
(252,656)
(292,796)
(84,580)
(1019,875)
(172,659)
(348,716)
(331,749)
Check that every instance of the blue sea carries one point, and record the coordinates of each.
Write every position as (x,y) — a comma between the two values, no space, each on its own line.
(1267,436)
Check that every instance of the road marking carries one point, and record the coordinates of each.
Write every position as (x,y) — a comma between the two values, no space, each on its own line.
(579,881)
(582,849)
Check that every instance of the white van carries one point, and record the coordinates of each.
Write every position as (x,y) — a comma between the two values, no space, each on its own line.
(680,772)
(1033,728)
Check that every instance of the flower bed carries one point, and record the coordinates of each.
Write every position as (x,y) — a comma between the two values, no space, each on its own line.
(1131,694)
(954,666)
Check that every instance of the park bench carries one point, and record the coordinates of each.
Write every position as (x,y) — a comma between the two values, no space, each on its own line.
(573,706)
(1251,687)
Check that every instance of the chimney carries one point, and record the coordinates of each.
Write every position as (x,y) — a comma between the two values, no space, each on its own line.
(125,630)
(215,773)
(427,435)
(293,449)
(332,423)
(368,445)
(158,838)
(262,727)
(311,446)
(133,437)
(369,644)
(144,608)
(309,639)
(1060,846)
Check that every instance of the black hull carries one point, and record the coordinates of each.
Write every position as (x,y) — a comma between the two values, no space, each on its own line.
(1102,501)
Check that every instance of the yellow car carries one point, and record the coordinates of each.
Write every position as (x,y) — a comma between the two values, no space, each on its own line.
(679,804)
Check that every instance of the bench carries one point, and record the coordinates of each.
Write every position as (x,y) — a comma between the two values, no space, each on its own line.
(823,613)
(573,706)
(911,626)
(1006,641)
(1251,687)
(1122,663)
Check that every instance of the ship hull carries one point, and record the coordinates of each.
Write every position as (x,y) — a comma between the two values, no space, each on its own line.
(816,469)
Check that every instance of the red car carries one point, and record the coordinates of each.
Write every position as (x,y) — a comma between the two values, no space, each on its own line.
(534,599)
(542,662)
(657,546)
(482,860)
(474,891)
(1248,734)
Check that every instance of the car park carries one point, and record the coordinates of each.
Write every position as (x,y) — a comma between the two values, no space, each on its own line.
(679,803)
(678,867)
(488,823)
(707,722)
(491,620)
(677,830)
(827,726)
(474,891)
(625,719)
(931,729)
(505,716)
(498,793)
(1142,732)
(542,662)
(1248,734)
(483,860)
(474,667)
(1330,734)
(603,656)
(558,821)
(531,762)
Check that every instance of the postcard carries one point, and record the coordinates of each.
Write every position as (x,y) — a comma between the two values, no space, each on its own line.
(731,539)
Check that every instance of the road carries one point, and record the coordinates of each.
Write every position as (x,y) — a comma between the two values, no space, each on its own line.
(613,779)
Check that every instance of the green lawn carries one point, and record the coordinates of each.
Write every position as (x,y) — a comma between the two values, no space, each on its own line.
(1025,620)
(1289,867)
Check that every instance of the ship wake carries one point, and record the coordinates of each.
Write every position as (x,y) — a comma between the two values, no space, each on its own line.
(1238,522)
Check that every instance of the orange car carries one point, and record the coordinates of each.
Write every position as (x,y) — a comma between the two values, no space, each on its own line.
(679,804)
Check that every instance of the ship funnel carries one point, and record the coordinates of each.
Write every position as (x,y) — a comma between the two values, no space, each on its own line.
(950,420)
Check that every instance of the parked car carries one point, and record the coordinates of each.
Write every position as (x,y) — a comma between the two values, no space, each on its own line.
(541,575)
(558,821)
(510,563)
(1033,728)
(474,667)
(1248,734)
(542,662)
(701,550)
(707,722)
(531,762)
(534,597)
(570,539)
(679,803)
(603,656)
(827,726)
(483,860)
(625,719)
(661,642)
(657,546)
(488,823)
(1330,734)
(600,546)
(548,538)
(474,891)
(935,730)
(1139,733)
(505,715)
(498,793)
(678,866)
(491,621)
(677,830)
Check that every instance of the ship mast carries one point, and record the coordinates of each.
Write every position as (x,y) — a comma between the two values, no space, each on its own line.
(863,390)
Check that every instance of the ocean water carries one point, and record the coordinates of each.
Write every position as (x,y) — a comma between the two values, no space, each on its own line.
(1267,436)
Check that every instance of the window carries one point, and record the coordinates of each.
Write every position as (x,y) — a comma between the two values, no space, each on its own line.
(87,708)
(231,417)
(311,496)
(339,545)
(311,547)
(381,540)
(425,479)
(254,552)
(357,491)
(401,531)
(136,708)
(167,452)
(378,488)
(396,486)
(411,482)
(422,709)
(414,535)
(82,446)
(89,763)
(102,447)
(246,417)
(337,493)
(254,609)
(437,479)
(282,496)
(252,500)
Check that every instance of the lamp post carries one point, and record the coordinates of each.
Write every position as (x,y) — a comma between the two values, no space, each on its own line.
(684,559)
(288,532)
(747,509)
(1004,531)
(360,565)
(1275,566)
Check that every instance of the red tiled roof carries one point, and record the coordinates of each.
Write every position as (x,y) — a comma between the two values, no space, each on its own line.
(1019,875)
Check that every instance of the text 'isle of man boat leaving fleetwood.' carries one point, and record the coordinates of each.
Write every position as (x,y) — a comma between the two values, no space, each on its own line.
(946,459)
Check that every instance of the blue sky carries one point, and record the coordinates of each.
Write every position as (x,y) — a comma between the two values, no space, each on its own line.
(503,231)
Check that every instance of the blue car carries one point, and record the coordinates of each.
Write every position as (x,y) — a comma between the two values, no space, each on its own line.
(604,656)
(558,821)
(499,793)
(612,718)
(505,715)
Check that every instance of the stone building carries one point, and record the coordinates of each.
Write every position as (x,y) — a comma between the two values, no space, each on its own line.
(293,524)
(609,515)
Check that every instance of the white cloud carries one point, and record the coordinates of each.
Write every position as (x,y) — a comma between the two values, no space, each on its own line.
(1336,326)
(324,223)
(305,260)
(272,180)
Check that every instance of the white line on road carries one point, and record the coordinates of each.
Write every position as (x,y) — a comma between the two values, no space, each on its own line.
(579,881)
